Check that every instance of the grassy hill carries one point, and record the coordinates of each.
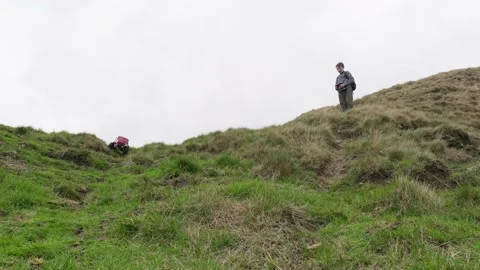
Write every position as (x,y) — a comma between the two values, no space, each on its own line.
(393,183)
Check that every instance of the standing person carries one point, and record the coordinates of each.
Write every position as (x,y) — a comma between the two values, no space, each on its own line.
(345,85)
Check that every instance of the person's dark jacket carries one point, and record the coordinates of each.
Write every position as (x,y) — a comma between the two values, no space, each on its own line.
(342,79)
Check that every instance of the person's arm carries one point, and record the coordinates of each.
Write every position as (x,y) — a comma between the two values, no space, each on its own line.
(349,77)
(337,84)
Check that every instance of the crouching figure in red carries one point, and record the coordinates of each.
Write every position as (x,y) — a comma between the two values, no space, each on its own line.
(120,144)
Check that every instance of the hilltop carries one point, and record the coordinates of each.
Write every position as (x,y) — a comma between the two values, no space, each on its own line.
(393,183)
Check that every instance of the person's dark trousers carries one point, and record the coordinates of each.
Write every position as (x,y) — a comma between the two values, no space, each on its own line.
(345,97)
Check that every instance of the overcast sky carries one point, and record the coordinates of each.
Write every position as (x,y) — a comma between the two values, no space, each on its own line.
(165,71)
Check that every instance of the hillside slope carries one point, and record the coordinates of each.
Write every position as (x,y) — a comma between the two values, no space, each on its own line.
(394,183)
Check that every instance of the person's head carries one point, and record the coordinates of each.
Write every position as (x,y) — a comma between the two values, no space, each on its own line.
(340,67)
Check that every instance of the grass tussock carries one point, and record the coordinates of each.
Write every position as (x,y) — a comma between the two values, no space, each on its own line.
(468,196)
(23,130)
(276,165)
(80,157)
(413,198)
(81,140)
(152,228)
(175,167)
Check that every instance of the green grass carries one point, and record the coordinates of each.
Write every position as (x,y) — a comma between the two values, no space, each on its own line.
(388,185)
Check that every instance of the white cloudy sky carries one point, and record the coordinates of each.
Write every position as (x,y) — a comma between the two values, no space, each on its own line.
(172,69)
